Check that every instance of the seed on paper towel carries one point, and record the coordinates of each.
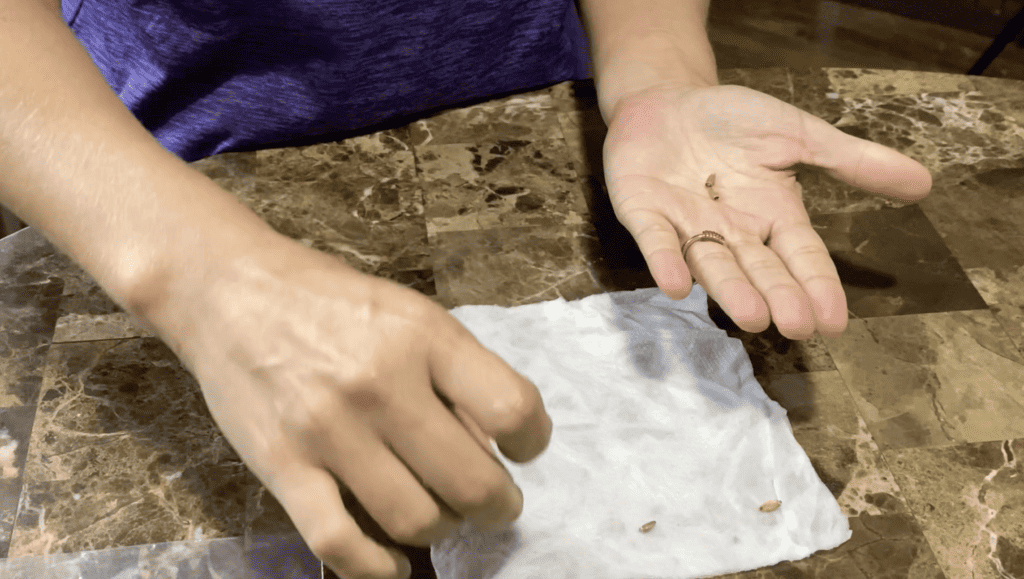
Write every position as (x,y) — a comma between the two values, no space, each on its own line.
(647,526)
(770,506)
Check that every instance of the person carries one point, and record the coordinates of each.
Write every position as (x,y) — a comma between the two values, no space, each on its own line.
(325,378)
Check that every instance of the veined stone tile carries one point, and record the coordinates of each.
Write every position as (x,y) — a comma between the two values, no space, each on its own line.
(933,379)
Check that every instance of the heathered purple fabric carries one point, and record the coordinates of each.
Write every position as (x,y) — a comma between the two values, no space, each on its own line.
(210,76)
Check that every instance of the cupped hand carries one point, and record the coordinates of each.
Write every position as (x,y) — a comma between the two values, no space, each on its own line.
(321,376)
(662,145)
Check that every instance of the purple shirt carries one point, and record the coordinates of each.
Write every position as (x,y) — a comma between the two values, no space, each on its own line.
(209,76)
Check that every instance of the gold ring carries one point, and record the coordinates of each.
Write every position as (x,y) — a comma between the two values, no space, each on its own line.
(703,236)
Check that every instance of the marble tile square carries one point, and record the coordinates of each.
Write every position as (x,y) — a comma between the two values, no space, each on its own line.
(968,501)
(235,172)
(85,311)
(123,449)
(15,429)
(357,199)
(536,98)
(71,516)
(976,206)
(335,167)
(813,92)
(10,492)
(1003,291)
(1005,94)
(420,280)
(865,82)
(940,130)
(776,82)
(499,184)
(27,258)
(893,262)
(882,546)
(28,314)
(205,559)
(512,266)
(584,133)
(530,117)
(933,379)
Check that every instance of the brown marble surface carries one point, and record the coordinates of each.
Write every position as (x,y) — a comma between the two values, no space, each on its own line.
(914,418)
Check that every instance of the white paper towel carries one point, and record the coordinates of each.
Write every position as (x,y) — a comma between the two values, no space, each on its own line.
(657,416)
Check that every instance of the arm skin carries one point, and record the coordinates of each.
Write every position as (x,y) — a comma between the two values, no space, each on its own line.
(78,166)
(637,44)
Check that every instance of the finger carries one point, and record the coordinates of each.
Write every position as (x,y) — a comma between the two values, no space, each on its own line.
(789,305)
(718,272)
(474,429)
(389,492)
(313,502)
(659,243)
(808,260)
(862,163)
(504,404)
(445,455)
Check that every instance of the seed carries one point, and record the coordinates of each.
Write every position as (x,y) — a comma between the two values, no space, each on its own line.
(710,185)
(770,506)
(647,527)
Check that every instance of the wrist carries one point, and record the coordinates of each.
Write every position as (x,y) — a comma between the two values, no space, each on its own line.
(639,64)
(165,275)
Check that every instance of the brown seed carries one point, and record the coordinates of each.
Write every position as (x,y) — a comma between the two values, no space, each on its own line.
(647,526)
(770,506)
(710,185)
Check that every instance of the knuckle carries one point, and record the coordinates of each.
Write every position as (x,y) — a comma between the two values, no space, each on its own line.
(310,412)
(652,228)
(761,265)
(513,411)
(415,530)
(331,544)
(366,395)
(482,491)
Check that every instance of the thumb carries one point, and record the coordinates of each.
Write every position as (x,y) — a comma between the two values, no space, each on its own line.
(862,163)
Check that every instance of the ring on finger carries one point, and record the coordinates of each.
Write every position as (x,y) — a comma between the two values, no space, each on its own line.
(706,235)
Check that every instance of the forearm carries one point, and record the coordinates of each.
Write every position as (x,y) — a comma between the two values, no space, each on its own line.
(636,44)
(78,166)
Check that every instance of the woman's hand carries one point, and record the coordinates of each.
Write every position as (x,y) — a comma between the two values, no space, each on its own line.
(321,376)
(664,142)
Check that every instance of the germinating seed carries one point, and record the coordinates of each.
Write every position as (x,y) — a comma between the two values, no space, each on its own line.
(647,526)
(770,506)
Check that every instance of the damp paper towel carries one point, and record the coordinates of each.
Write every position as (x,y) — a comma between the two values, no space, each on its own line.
(657,417)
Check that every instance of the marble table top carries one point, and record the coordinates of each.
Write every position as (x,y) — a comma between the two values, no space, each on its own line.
(914,418)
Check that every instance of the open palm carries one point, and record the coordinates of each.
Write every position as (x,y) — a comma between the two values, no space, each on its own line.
(662,145)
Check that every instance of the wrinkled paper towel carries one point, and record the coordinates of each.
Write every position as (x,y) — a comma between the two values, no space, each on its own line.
(657,417)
